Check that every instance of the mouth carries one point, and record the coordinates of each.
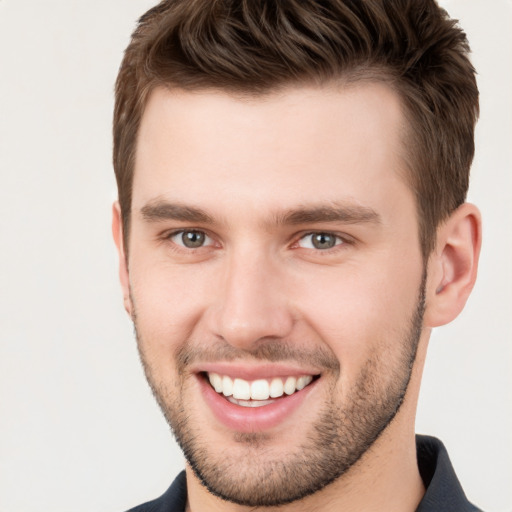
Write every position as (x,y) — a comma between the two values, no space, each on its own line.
(244,397)
(259,392)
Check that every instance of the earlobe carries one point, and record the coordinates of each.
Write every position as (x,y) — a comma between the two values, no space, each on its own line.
(117,232)
(453,266)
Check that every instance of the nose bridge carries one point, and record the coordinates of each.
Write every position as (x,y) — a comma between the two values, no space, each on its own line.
(251,302)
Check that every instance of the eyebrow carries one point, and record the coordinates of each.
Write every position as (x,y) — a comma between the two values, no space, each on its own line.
(348,214)
(162,210)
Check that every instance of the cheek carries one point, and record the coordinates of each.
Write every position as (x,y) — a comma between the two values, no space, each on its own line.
(168,302)
(361,314)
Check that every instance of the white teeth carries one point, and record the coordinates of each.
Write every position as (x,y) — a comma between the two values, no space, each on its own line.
(258,390)
(216,382)
(250,403)
(303,381)
(241,389)
(276,388)
(290,385)
(227,386)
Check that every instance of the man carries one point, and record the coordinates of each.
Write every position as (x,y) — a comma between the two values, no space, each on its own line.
(291,225)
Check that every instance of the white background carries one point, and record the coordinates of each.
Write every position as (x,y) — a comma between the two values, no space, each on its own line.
(78,428)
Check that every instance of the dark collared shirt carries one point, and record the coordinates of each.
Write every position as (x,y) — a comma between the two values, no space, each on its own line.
(444,492)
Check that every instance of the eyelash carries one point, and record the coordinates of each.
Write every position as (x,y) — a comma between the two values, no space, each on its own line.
(342,240)
(169,236)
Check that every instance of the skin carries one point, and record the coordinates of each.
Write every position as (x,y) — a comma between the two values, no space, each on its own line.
(258,282)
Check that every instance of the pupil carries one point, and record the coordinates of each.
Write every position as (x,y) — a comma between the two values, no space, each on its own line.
(323,241)
(192,239)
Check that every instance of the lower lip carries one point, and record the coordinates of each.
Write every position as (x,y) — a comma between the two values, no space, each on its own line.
(252,419)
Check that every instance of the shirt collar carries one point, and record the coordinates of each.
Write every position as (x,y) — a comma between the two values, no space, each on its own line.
(443,490)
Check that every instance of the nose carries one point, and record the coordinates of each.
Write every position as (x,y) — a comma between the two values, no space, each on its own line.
(252,304)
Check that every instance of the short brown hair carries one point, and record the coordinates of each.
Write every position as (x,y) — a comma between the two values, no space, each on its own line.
(257,46)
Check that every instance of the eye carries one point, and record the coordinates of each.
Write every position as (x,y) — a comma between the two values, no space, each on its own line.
(191,239)
(320,241)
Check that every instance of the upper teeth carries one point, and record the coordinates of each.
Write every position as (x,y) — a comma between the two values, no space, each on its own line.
(261,389)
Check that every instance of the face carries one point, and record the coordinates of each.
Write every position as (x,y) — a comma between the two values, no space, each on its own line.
(275,280)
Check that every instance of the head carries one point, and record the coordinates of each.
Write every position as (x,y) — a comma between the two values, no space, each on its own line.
(291,184)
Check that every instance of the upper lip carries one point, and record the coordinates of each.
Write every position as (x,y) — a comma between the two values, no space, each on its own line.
(252,372)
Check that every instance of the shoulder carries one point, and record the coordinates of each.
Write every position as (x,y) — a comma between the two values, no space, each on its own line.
(173,500)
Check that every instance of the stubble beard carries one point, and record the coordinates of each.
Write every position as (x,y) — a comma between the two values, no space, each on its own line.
(337,439)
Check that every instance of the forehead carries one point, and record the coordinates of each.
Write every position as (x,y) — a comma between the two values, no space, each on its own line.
(296,145)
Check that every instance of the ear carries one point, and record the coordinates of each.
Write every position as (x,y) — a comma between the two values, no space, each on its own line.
(453,265)
(117,232)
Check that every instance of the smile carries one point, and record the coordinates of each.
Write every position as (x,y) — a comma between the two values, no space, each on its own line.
(245,397)
(258,392)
